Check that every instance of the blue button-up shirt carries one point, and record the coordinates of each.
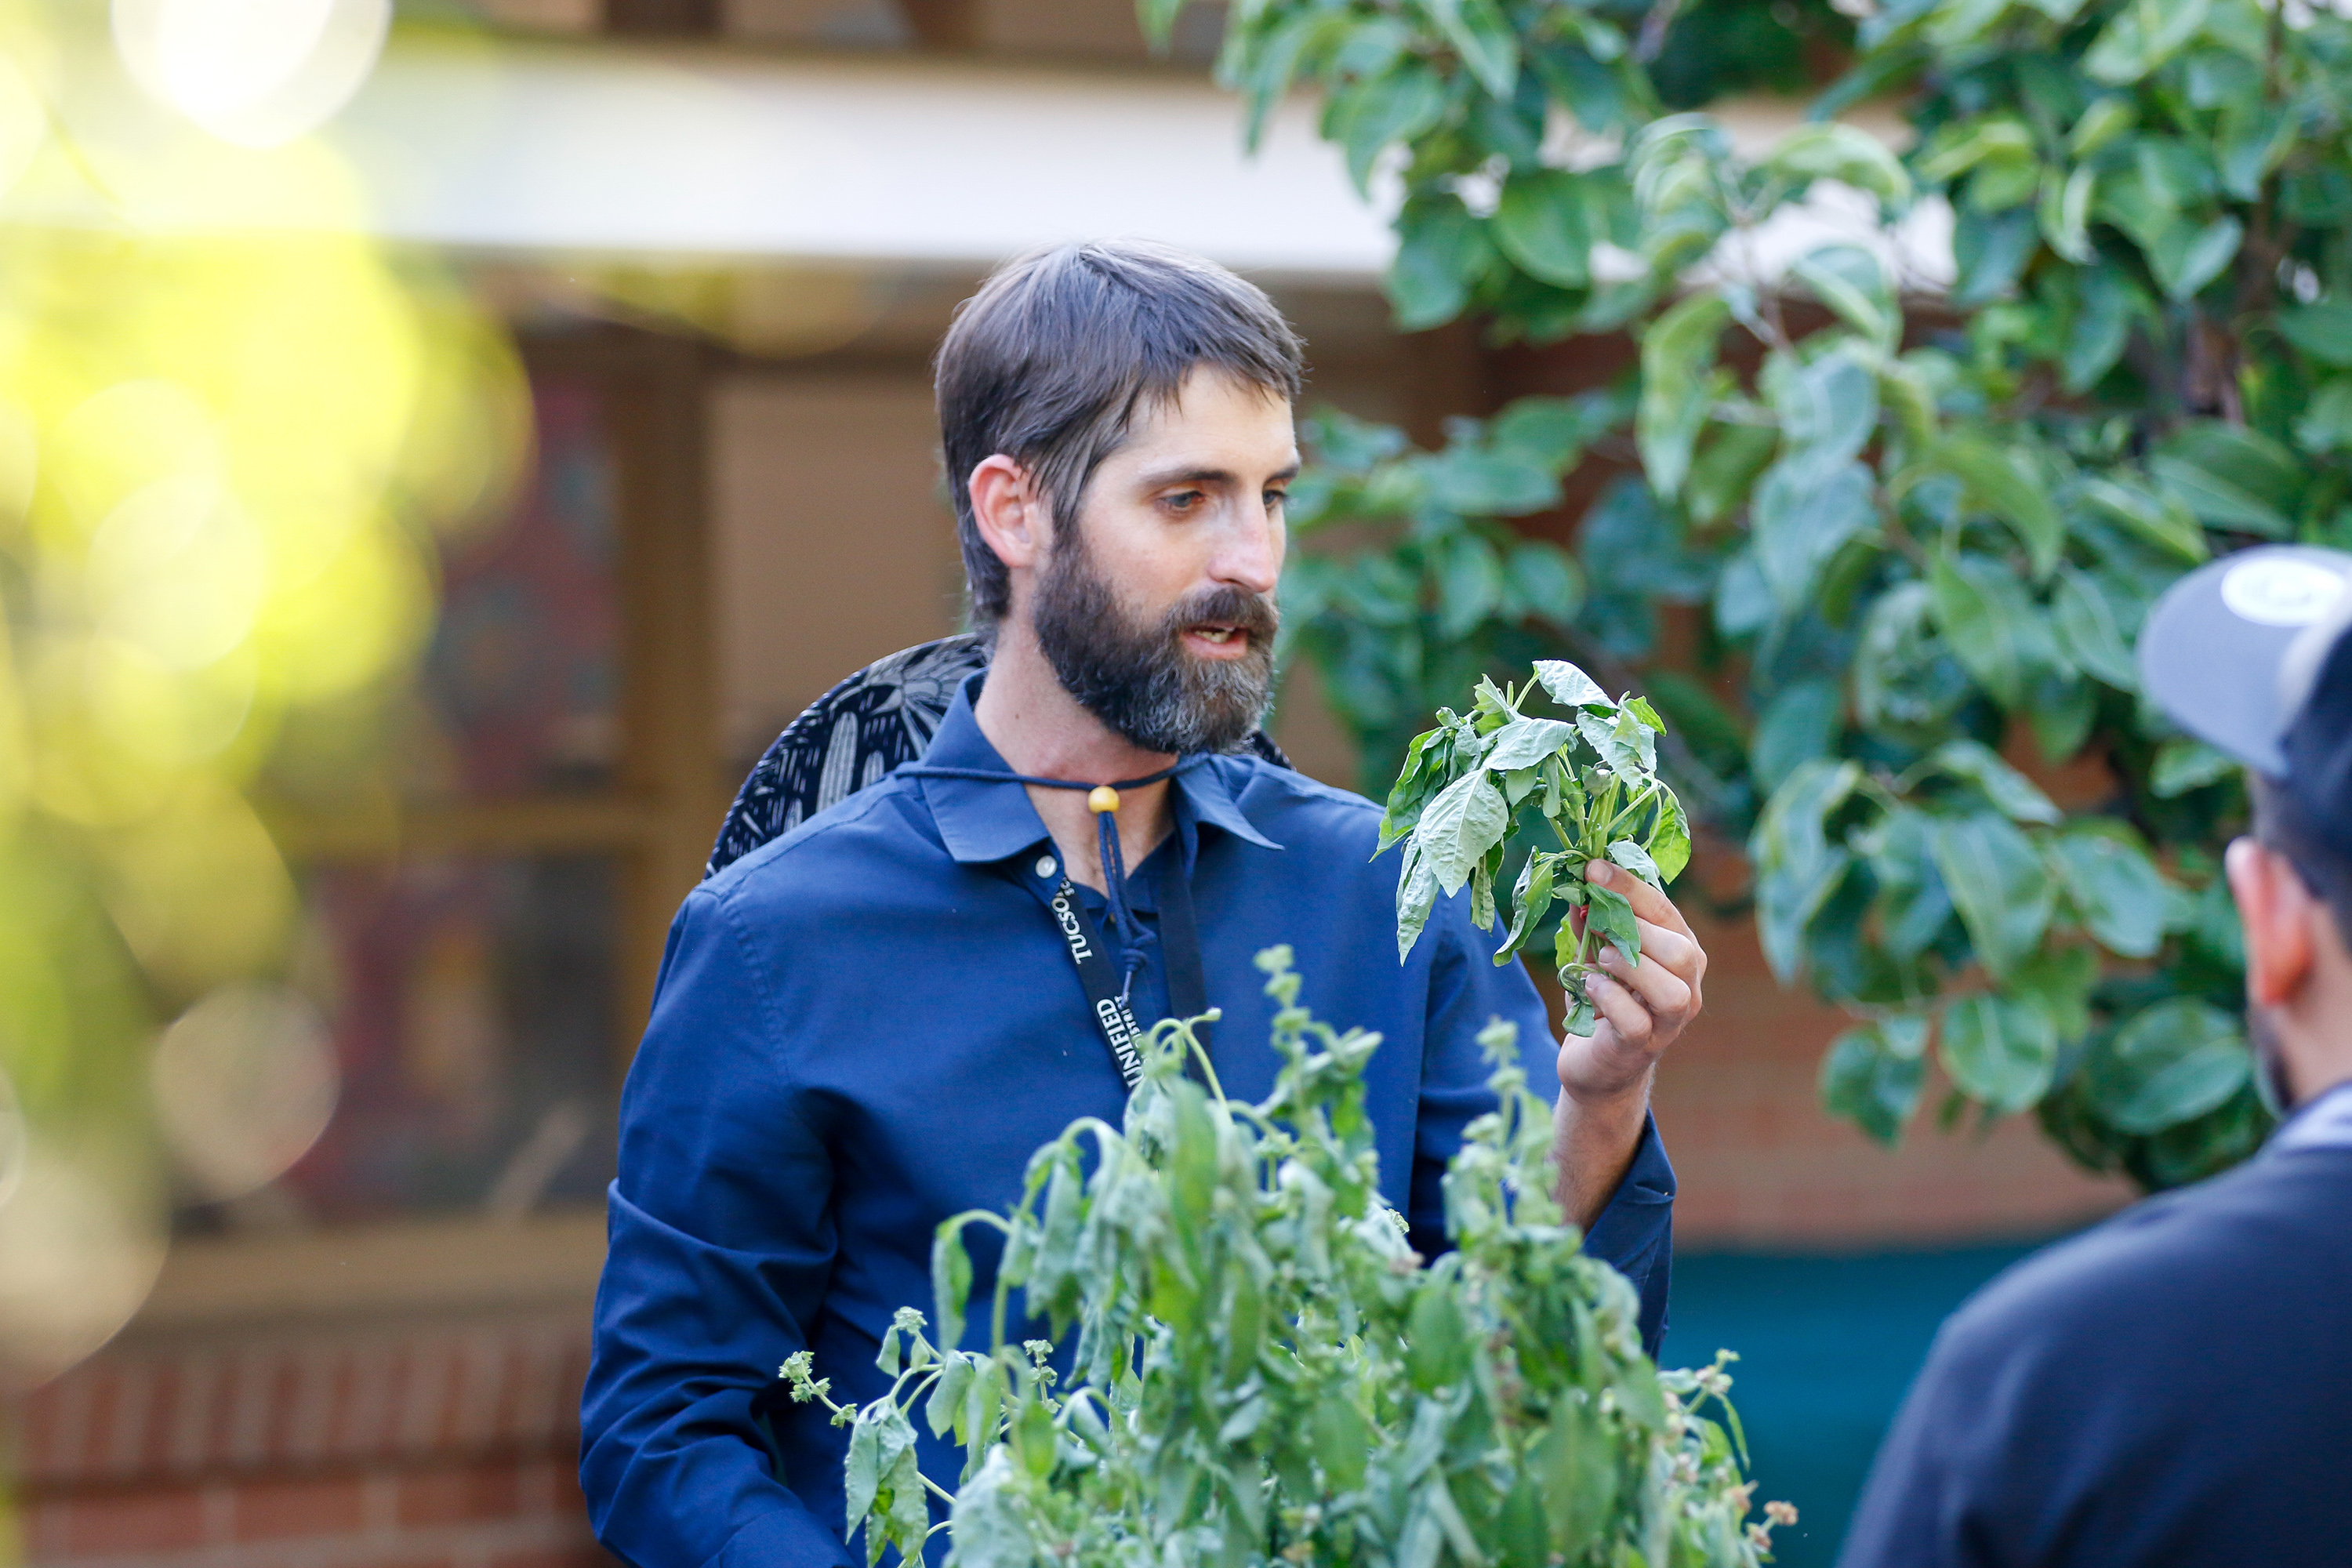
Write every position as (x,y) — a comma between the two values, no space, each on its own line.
(871,1023)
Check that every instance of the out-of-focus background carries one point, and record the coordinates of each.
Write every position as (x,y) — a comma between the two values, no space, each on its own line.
(609,324)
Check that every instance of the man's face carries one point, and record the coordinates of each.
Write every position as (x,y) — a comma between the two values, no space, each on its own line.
(1157,610)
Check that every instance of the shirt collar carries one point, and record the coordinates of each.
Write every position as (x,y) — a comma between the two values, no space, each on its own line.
(982,822)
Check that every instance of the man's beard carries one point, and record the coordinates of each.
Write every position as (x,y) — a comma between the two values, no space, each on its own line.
(1138,679)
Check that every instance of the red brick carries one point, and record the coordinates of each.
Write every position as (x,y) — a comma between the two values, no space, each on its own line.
(166,1518)
(584,1555)
(457,1496)
(280,1510)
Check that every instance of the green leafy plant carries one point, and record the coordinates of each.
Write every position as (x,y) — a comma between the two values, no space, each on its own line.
(1589,780)
(1922,517)
(1264,1372)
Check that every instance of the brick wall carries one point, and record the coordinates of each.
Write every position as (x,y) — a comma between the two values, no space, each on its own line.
(1760,1165)
(390,1445)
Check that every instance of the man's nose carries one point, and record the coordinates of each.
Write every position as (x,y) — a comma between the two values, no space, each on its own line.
(1249,556)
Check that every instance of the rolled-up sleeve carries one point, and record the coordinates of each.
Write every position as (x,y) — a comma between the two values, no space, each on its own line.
(720,1247)
(1634,1234)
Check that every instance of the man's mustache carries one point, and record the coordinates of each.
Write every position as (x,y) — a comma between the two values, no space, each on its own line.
(1256,614)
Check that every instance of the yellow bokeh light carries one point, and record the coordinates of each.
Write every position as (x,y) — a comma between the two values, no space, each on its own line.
(227,448)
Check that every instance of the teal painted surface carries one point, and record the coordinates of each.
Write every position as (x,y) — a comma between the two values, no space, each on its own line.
(1827,1347)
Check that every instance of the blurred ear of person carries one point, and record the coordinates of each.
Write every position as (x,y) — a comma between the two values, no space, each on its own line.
(2299,973)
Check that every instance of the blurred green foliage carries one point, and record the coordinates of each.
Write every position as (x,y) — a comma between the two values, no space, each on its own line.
(1924,515)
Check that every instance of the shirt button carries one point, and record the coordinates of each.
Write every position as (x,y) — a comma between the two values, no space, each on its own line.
(1045,867)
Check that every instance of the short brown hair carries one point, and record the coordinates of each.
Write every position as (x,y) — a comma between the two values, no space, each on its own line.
(1048,362)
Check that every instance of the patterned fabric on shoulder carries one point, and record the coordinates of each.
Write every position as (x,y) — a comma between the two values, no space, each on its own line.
(853,735)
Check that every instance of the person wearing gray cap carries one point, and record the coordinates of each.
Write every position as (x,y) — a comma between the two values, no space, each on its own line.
(2175,1387)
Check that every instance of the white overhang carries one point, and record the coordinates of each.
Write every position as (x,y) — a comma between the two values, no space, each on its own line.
(590,148)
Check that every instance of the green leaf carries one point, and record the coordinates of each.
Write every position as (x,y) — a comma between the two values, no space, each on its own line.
(2058,980)
(1828,408)
(2142,37)
(950,1282)
(1853,282)
(1628,747)
(2011,792)
(1467,819)
(2323,331)
(1799,725)
(2185,259)
(1677,351)
(1798,527)
(1827,150)
(1437,1345)
(2183,764)
(1798,867)
(1342,1440)
(1906,684)
(1610,915)
(1568,686)
(2113,885)
(1993,627)
(1442,251)
(2104,304)
(1670,845)
(1524,743)
(1873,1076)
(1636,859)
(1540,581)
(2326,425)
(1913,903)
(1965,145)
(1416,896)
(1543,222)
(948,1393)
(1725,470)
(1999,1052)
(2168,1064)
(1575,1468)
(1532,899)
(2092,631)
(1988,251)
(1373,115)
(1483,39)
(2107,119)
(2003,483)
(1998,884)
(1469,586)
(2162,520)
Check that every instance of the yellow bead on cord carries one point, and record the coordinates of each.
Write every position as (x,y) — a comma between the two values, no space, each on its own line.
(1102,797)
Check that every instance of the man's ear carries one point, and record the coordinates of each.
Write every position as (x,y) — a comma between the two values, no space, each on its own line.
(1009,513)
(2277,911)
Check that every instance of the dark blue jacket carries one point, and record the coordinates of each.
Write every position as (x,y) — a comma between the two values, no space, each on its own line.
(2173,1388)
(870,1024)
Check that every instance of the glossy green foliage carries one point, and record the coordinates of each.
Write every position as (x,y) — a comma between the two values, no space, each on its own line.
(1564,793)
(1264,1372)
(1925,524)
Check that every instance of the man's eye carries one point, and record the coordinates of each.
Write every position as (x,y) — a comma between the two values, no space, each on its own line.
(1276,500)
(1184,501)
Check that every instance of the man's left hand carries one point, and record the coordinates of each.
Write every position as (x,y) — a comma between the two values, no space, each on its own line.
(1642,1007)
(1604,1077)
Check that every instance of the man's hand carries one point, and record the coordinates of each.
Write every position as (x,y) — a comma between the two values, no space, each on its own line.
(1604,1077)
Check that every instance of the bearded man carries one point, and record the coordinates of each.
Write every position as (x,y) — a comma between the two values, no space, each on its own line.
(870,1023)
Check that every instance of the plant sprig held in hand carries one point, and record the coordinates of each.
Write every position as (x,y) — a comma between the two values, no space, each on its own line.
(1591,777)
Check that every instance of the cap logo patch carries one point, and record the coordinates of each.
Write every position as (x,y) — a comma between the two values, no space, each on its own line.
(2276,591)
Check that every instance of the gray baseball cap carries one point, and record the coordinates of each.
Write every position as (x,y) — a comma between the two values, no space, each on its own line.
(2248,654)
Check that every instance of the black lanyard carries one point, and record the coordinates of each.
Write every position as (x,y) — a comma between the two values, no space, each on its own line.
(1114,1015)
(1180,938)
